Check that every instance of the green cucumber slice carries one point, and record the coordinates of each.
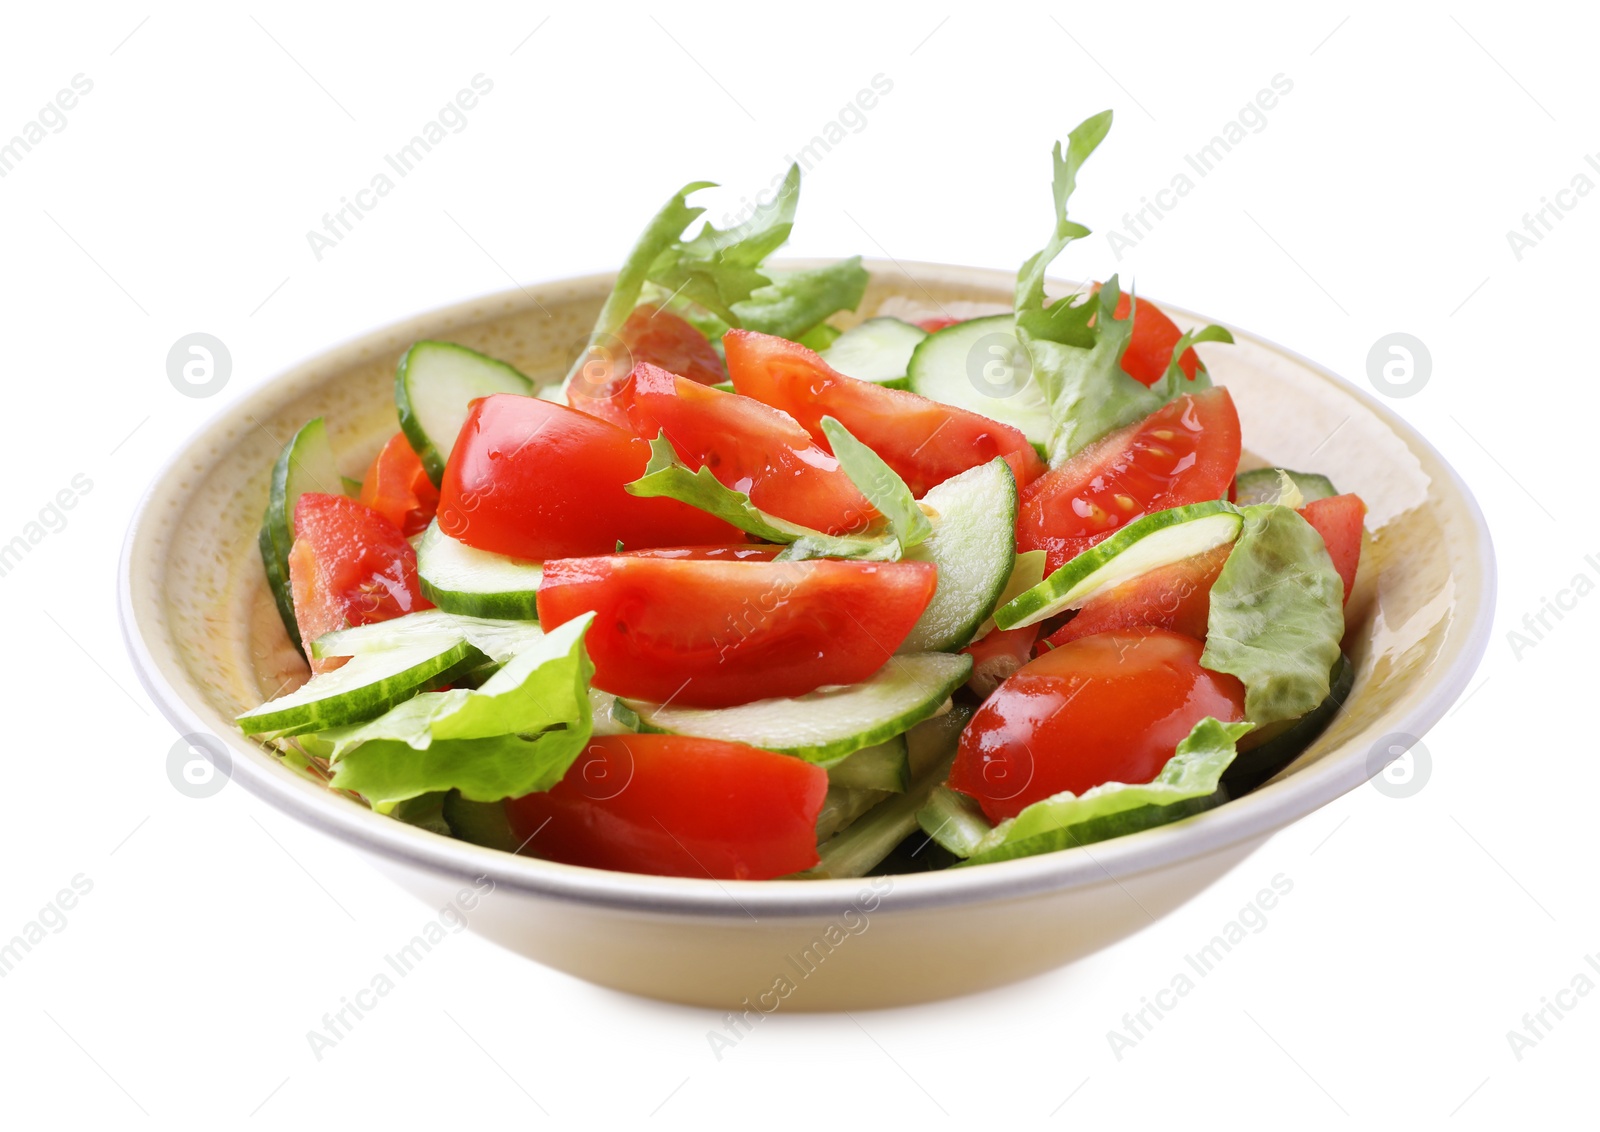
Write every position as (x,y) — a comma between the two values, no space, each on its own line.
(842,805)
(974,547)
(433,387)
(954,821)
(1026,572)
(305,464)
(1143,545)
(980,365)
(826,725)
(878,350)
(476,583)
(497,640)
(1278,744)
(481,823)
(883,766)
(1260,485)
(363,688)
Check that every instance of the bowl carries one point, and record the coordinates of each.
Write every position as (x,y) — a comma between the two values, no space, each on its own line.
(207,644)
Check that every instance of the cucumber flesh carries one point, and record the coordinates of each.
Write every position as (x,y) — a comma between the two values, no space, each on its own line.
(305,464)
(481,823)
(434,386)
(1026,572)
(363,688)
(1278,745)
(497,640)
(476,583)
(843,805)
(1143,545)
(1260,485)
(878,350)
(954,821)
(973,545)
(981,366)
(883,766)
(826,725)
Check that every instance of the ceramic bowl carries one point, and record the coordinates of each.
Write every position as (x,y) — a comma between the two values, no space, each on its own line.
(207,644)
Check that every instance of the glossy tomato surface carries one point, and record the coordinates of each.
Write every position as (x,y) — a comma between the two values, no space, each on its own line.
(675,806)
(1150,345)
(1338,520)
(398,488)
(349,566)
(710,632)
(536,480)
(1184,452)
(1107,708)
(750,447)
(650,335)
(1176,596)
(924,441)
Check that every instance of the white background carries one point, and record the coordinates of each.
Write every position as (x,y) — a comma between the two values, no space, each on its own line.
(1377,198)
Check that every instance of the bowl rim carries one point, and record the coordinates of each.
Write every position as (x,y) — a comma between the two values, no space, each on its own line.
(1254,816)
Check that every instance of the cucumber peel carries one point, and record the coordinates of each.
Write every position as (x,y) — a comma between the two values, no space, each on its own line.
(476,583)
(434,386)
(973,546)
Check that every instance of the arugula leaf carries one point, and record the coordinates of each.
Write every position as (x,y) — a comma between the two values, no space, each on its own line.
(515,734)
(1186,785)
(667,477)
(797,301)
(1277,615)
(880,483)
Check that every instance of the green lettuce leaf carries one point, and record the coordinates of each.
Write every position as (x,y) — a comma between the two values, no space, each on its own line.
(1185,786)
(880,483)
(514,734)
(796,301)
(667,477)
(1277,615)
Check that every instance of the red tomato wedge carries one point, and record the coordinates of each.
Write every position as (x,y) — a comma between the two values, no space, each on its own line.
(1176,597)
(1151,343)
(997,655)
(925,442)
(349,566)
(534,479)
(938,322)
(1338,520)
(673,806)
(650,335)
(398,488)
(1107,708)
(1185,452)
(711,632)
(750,447)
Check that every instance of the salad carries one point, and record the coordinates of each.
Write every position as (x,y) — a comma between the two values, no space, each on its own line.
(746,596)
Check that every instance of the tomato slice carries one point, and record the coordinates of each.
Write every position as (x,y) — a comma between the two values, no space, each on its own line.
(651,335)
(349,566)
(1338,520)
(1185,452)
(538,480)
(398,488)
(674,806)
(1176,597)
(997,655)
(938,322)
(1151,342)
(1108,708)
(750,447)
(712,632)
(925,442)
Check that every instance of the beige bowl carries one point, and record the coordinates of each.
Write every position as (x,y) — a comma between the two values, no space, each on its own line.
(207,644)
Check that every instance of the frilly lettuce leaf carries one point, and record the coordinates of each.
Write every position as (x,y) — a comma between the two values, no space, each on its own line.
(1277,615)
(796,301)
(516,733)
(880,483)
(1185,786)
(668,477)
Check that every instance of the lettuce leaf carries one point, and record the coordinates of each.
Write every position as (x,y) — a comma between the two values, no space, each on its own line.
(1277,615)
(880,483)
(797,301)
(515,734)
(667,477)
(1185,786)
(1075,345)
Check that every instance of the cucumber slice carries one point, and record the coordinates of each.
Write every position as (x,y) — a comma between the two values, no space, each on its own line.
(842,805)
(954,821)
(433,387)
(498,641)
(1143,545)
(1026,572)
(1278,744)
(363,688)
(1260,485)
(305,464)
(974,546)
(481,823)
(476,583)
(826,725)
(980,365)
(885,766)
(878,350)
